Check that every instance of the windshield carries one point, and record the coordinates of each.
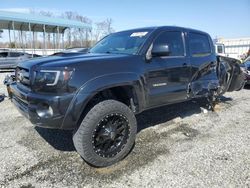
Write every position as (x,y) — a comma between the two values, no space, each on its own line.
(127,42)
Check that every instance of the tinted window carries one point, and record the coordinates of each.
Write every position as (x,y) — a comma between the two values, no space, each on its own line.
(174,41)
(199,44)
(220,49)
(3,54)
(14,54)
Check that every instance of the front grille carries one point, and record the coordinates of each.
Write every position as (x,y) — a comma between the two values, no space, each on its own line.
(23,76)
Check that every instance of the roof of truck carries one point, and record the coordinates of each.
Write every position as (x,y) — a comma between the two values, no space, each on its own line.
(166,27)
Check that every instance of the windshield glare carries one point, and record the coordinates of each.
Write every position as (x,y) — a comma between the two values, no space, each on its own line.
(127,42)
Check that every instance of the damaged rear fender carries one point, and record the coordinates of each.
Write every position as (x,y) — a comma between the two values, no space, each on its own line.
(231,76)
(217,78)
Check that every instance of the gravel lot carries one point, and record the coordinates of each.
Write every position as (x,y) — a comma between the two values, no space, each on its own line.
(177,146)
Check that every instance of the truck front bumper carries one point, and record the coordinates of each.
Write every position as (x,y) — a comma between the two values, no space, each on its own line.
(43,110)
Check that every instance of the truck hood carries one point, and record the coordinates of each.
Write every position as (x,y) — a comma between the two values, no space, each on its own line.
(70,59)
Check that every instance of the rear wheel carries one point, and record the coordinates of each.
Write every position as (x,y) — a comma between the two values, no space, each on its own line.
(106,134)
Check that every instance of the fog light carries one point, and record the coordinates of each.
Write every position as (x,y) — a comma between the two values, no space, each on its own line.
(44,110)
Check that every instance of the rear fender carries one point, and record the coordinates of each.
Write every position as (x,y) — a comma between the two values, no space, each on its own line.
(204,81)
(223,76)
(230,75)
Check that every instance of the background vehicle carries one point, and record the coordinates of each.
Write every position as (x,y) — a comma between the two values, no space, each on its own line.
(220,49)
(235,47)
(9,59)
(98,93)
(246,65)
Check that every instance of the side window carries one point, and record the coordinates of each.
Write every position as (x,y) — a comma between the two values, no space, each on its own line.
(13,54)
(3,54)
(174,41)
(199,44)
(220,49)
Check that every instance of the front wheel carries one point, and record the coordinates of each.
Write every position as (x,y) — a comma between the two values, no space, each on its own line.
(106,134)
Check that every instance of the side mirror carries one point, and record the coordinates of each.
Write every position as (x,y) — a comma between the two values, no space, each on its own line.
(160,50)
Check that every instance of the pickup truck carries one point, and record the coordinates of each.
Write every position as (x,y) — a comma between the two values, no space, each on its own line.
(98,93)
(9,59)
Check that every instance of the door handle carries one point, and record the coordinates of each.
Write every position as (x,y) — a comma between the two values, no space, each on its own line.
(184,64)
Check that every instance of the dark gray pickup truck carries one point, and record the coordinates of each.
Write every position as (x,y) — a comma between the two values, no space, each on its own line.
(97,94)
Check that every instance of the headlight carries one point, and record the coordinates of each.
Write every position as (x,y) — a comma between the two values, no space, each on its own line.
(48,77)
(51,79)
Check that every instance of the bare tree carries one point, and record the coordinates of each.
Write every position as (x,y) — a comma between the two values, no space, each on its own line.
(47,14)
(70,16)
(108,26)
(84,33)
(103,28)
(78,37)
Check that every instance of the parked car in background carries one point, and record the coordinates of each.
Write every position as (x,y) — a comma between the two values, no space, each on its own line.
(9,59)
(246,65)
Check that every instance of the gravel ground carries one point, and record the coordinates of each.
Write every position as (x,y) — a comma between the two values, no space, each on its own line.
(180,145)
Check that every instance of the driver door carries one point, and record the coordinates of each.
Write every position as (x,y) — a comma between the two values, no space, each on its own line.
(168,76)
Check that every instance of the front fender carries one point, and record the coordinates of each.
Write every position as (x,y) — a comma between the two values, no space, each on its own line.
(97,84)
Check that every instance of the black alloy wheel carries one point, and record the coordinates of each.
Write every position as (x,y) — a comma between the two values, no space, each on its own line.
(110,135)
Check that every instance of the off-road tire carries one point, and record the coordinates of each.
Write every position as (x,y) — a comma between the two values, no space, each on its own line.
(83,137)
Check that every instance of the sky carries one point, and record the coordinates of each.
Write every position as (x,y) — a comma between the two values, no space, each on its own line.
(220,18)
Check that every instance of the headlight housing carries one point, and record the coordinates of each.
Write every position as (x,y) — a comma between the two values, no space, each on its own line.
(48,77)
(48,80)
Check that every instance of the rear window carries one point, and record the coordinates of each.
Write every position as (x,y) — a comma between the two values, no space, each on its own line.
(199,44)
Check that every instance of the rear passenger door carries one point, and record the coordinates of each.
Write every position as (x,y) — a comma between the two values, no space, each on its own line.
(203,61)
(168,76)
